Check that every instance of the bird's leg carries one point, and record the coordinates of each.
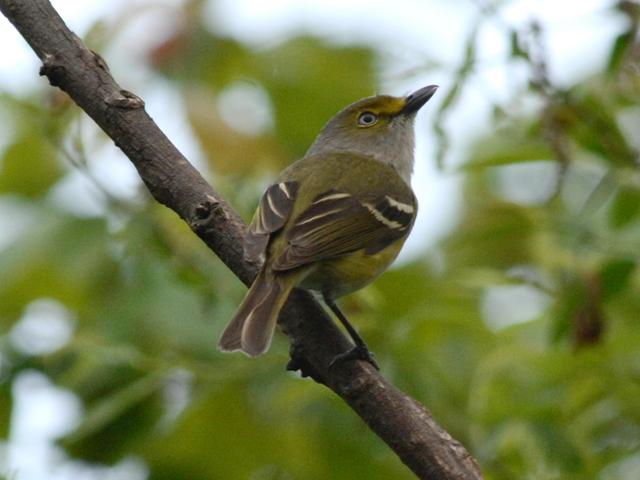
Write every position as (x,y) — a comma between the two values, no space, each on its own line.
(360,351)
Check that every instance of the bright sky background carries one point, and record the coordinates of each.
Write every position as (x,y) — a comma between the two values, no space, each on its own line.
(577,34)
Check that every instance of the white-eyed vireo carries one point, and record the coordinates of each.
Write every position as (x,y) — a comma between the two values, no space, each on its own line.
(335,220)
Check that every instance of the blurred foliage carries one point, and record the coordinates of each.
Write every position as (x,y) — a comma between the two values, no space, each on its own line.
(295,74)
(551,207)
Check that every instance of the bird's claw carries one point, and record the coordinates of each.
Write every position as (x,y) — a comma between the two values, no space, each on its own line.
(359,352)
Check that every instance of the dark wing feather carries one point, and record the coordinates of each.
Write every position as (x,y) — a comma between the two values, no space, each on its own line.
(273,212)
(337,223)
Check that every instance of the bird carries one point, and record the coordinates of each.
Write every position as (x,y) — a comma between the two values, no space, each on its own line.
(334,220)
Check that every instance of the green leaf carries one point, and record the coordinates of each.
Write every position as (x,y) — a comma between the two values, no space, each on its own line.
(60,257)
(564,311)
(493,234)
(615,276)
(508,147)
(516,50)
(625,207)
(29,166)
(6,404)
(309,83)
(590,120)
(304,78)
(115,421)
(619,50)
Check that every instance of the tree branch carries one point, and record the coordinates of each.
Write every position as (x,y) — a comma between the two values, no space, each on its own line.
(403,423)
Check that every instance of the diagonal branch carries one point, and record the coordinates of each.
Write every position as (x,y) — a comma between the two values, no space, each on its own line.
(403,423)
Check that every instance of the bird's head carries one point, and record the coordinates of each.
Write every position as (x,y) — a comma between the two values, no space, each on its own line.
(380,126)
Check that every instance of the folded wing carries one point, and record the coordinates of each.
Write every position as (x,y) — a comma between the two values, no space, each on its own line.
(273,212)
(337,223)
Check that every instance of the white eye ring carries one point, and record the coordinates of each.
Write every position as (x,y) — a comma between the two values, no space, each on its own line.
(366,119)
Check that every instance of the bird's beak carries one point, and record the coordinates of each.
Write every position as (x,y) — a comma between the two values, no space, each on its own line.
(417,99)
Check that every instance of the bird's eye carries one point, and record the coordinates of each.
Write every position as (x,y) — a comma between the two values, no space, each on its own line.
(366,119)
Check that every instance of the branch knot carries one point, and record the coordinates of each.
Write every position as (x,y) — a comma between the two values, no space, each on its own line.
(52,69)
(205,213)
(124,99)
(298,362)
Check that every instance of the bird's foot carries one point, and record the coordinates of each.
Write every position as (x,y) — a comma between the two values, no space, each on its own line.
(359,352)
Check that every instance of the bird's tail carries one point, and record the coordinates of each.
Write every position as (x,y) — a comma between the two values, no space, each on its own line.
(252,327)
